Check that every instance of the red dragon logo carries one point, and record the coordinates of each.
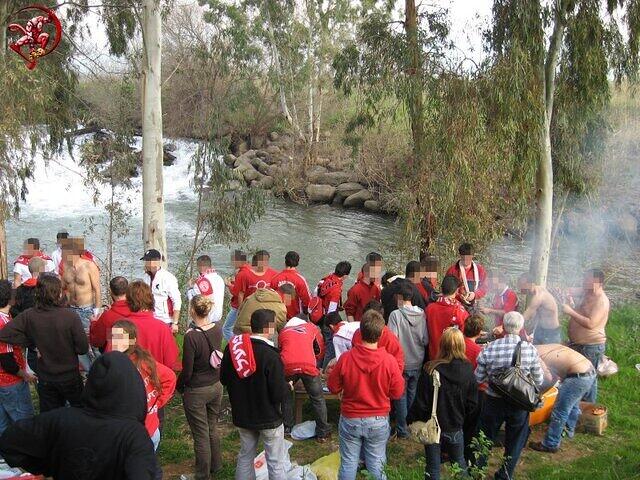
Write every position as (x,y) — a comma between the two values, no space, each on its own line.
(34,42)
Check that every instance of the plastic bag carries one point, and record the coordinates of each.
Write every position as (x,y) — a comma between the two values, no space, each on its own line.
(326,468)
(260,462)
(607,367)
(301,473)
(304,430)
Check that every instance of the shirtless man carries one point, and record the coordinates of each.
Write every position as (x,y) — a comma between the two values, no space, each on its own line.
(587,322)
(577,376)
(541,315)
(81,282)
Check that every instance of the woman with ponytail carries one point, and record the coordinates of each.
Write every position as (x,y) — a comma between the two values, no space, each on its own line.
(199,383)
(457,399)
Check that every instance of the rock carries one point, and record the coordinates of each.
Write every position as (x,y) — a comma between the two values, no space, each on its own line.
(229,159)
(242,162)
(273,136)
(625,226)
(250,154)
(372,206)
(314,173)
(349,188)
(358,199)
(241,147)
(271,159)
(261,154)
(273,149)
(320,193)
(257,141)
(335,178)
(168,159)
(338,200)
(266,183)
(263,168)
(251,174)
(323,161)
(170,147)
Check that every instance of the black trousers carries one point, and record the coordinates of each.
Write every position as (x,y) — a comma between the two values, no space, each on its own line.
(56,394)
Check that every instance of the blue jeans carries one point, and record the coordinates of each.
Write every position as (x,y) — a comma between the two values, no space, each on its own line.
(594,353)
(329,352)
(369,434)
(404,403)
(85,314)
(497,411)
(450,442)
(566,410)
(229,323)
(15,404)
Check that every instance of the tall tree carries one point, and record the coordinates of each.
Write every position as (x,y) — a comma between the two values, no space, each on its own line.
(122,24)
(583,58)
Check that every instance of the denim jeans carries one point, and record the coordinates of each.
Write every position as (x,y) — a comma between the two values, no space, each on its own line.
(273,440)
(594,353)
(313,386)
(229,323)
(15,404)
(566,410)
(450,442)
(86,314)
(329,352)
(497,411)
(369,434)
(545,336)
(403,404)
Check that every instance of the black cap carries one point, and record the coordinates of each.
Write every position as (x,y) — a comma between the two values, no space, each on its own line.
(152,254)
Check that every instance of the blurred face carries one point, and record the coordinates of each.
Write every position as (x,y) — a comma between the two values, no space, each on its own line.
(590,283)
(28,249)
(152,266)
(466,260)
(523,286)
(375,270)
(120,341)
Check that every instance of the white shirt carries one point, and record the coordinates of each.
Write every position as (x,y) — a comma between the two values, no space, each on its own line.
(165,293)
(342,338)
(212,286)
(56,258)
(21,267)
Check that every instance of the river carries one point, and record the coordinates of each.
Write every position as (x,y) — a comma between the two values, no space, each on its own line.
(323,235)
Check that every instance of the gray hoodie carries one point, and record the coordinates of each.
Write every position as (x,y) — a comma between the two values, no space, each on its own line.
(410,326)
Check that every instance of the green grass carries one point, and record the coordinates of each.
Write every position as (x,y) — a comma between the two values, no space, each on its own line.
(614,456)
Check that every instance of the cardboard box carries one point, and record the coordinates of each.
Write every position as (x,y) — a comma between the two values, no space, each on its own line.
(590,422)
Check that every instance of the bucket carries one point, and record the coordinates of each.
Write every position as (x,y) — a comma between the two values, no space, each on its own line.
(543,413)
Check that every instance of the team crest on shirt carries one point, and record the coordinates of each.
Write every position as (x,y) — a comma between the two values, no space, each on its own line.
(204,286)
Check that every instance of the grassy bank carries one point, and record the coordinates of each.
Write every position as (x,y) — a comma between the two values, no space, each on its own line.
(615,456)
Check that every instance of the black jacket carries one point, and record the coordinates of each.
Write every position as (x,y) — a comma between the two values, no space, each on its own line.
(389,301)
(457,396)
(25,299)
(105,440)
(256,400)
(57,333)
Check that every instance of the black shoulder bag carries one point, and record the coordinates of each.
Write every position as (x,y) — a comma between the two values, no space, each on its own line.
(515,385)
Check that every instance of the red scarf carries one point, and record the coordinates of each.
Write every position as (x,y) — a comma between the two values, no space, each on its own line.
(241,351)
(30,282)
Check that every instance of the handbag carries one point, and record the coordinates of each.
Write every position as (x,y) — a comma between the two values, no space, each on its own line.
(428,433)
(215,357)
(515,385)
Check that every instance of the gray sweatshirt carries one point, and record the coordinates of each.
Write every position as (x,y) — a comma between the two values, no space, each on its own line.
(410,326)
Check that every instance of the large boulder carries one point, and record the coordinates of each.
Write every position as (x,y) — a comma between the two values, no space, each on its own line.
(259,165)
(320,193)
(168,158)
(372,206)
(314,173)
(242,162)
(358,199)
(266,183)
(229,159)
(251,174)
(338,200)
(336,178)
(349,188)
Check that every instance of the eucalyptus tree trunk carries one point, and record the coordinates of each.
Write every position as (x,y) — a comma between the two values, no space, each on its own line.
(153,224)
(4,267)
(539,266)
(4,14)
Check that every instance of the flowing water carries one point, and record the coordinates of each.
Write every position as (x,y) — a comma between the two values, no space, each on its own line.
(323,235)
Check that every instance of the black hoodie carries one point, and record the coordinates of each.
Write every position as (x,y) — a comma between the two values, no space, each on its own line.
(105,440)
(457,396)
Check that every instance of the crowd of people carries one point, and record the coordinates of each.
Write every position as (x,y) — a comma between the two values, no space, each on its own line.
(381,347)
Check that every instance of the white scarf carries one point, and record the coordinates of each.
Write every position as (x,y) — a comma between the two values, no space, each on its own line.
(463,274)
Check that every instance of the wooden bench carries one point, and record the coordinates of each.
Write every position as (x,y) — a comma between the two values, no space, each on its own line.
(301,396)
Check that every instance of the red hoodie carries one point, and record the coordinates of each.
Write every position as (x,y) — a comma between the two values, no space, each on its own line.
(292,277)
(99,330)
(388,340)
(330,291)
(247,281)
(441,315)
(155,337)
(299,341)
(155,399)
(368,379)
(358,297)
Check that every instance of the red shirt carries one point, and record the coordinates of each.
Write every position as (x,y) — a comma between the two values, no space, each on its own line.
(155,399)
(358,297)
(296,341)
(507,301)
(7,379)
(472,351)
(330,291)
(368,379)
(480,289)
(247,281)
(292,277)
(441,315)
(233,288)
(155,336)
(100,329)
(388,340)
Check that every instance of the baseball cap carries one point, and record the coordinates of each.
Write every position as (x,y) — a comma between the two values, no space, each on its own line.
(152,254)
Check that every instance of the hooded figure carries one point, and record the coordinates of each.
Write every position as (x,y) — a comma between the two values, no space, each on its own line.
(262,298)
(104,440)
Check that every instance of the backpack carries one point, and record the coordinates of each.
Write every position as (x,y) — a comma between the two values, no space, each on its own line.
(315,309)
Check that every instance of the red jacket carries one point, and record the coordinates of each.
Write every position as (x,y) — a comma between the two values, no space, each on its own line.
(507,301)
(481,289)
(358,297)
(155,336)
(155,399)
(330,291)
(100,329)
(441,315)
(472,351)
(301,346)
(368,379)
(247,282)
(292,277)
(388,340)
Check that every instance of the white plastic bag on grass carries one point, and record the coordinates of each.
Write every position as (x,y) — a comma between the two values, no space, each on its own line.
(304,430)
(260,462)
